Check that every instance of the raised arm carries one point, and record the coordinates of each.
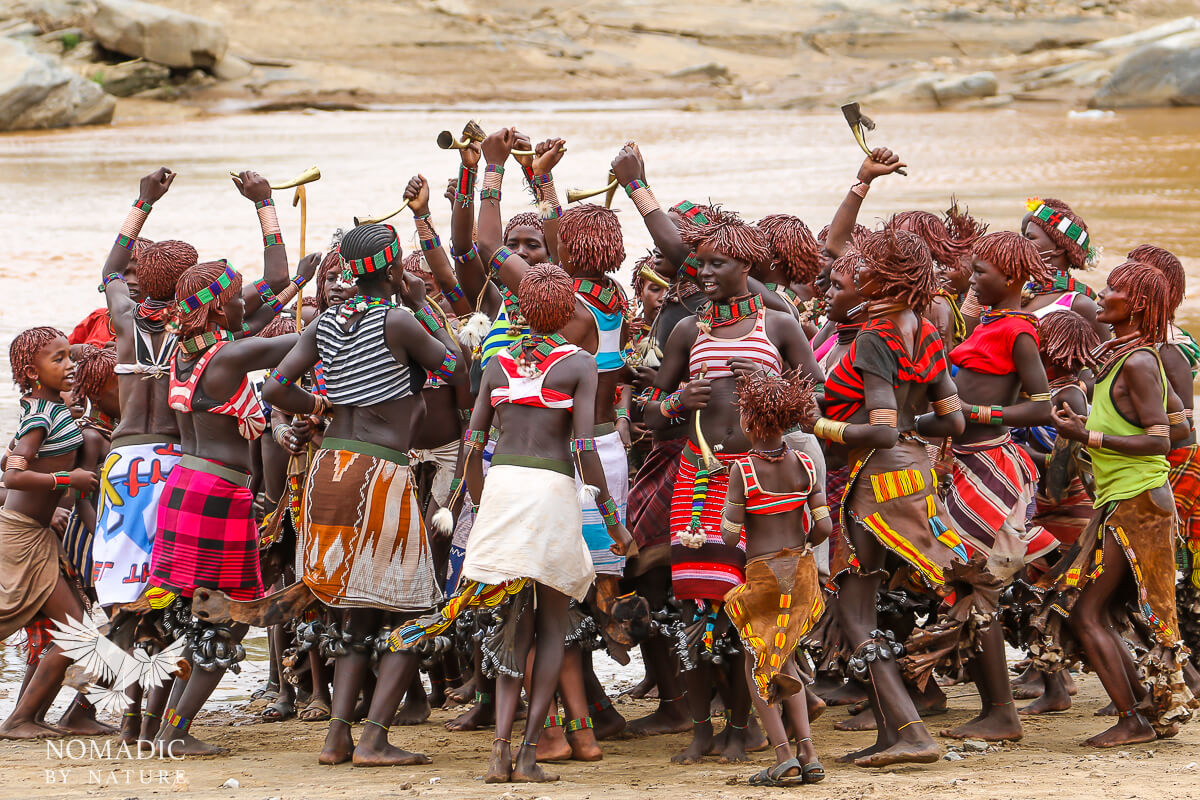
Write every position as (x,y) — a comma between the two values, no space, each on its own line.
(501,261)
(417,195)
(630,169)
(112,280)
(881,162)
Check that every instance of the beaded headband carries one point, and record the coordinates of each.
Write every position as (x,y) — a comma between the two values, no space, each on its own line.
(209,293)
(380,261)
(1059,221)
(690,212)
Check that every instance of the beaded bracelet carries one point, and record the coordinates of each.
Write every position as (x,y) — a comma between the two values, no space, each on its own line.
(653,395)
(466,257)
(455,292)
(464,191)
(986,415)
(490,194)
(672,406)
(268,295)
(132,226)
(550,212)
(583,445)
(475,440)
(61,480)
(446,370)
(498,259)
(690,268)
(428,320)
(281,379)
(541,180)
(109,278)
(608,510)
(290,291)
(643,199)
(622,413)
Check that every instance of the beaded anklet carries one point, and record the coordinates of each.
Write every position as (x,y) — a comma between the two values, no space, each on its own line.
(482,697)
(554,721)
(379,725)
(343,721)
(576,725)
(177,721)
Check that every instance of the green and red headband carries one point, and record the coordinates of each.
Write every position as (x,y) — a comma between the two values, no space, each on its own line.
(691,212)
(380,261)
(1059,221)
(209,293)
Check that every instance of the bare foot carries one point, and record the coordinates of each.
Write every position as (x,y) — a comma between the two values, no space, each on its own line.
(1128,730)
(734,751)
(902,752)
(1055,697)
(583,746)
(847,694)
(500,765)
(387,756)
(80,721)
(668,718)
(413,711)
(1109,710)
(1069,680)
(188,745)
(998,725)
(131,726)
(339,745)
(28,730)
(816,706)
(526,770)
(608,722)
(461,695)
(862,721)
(553,745)
(150,726)
(702,740)
(850,758)
(480,715)
(642,689)
(1168,732)
(756,740)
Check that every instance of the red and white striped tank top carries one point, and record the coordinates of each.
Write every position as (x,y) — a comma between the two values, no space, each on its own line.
(528,390)
(714,353)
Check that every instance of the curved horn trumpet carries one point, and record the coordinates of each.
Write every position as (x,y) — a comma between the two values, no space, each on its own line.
(372,220)
(561,149)
(472,132)
(308,176)
(609,191)
(650,275)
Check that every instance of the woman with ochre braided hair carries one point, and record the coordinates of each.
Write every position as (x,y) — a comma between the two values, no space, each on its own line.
(994,481)
(40,466)
(1064,243)
(735,334)
(1130,543)
(893,370)
(207,536)
(526,543)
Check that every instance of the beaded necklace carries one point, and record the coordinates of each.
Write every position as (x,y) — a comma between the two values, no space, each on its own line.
(201,342)
(1002,313)
(1107,357)
(772,456)
(1061,282)
(152,315)
(532,350)
(99,421)
(605,298)
(716,314)
(359,304)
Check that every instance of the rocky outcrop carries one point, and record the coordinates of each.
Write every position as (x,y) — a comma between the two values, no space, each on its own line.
(36,92)
(170,38)
(1165,73)
(932,89)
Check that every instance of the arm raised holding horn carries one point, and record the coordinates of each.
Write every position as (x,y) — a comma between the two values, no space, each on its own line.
(537,162)
(500,262)
(878,163)
(417,195)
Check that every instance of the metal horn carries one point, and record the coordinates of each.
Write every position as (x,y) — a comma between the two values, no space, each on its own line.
(308,176)
(609,191)
(859,124)
(372,220)
(472,132)
(562,148)
(648,274)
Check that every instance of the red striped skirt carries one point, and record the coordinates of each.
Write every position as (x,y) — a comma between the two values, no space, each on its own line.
(710,571)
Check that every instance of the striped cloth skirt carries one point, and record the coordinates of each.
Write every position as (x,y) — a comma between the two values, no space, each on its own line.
(710,571)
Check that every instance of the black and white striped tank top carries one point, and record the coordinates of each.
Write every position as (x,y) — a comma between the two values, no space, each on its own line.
(360,370)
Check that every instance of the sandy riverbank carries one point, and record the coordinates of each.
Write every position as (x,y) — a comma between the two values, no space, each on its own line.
(279,760)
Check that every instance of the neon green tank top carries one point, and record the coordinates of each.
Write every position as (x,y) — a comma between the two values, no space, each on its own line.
(1120,476)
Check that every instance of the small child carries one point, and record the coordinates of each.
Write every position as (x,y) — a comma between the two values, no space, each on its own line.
(775,500)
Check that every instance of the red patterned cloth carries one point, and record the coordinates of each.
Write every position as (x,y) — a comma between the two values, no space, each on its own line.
(879,348)
(710,571)
(650,495)
(206,537)
(1185,483)
(37,639)
(96,328)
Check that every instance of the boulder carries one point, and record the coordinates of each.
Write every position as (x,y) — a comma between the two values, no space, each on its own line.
(965,87)
(232,68)
(909,92)
(161,35)
(130,77)
(1166,72)
(36,92)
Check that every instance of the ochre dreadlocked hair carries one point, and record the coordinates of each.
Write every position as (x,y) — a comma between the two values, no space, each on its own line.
(859,231)
(771,404)
(793,247)
(93,369)
(194,280)
(527,219)
(902,264)
(332,259)
(1067,340)
(160,265)
(547,298)
(592,237)
(414,264)
(1015,256)
(728,233)
(24,348)
(1076,255)
(1165,262)
(962,227)
(282,325)
(847,262)
(639,282)
(933,231)
(1148,294)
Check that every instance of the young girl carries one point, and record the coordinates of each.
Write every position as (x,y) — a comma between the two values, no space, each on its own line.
(42,463)
(774,495)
